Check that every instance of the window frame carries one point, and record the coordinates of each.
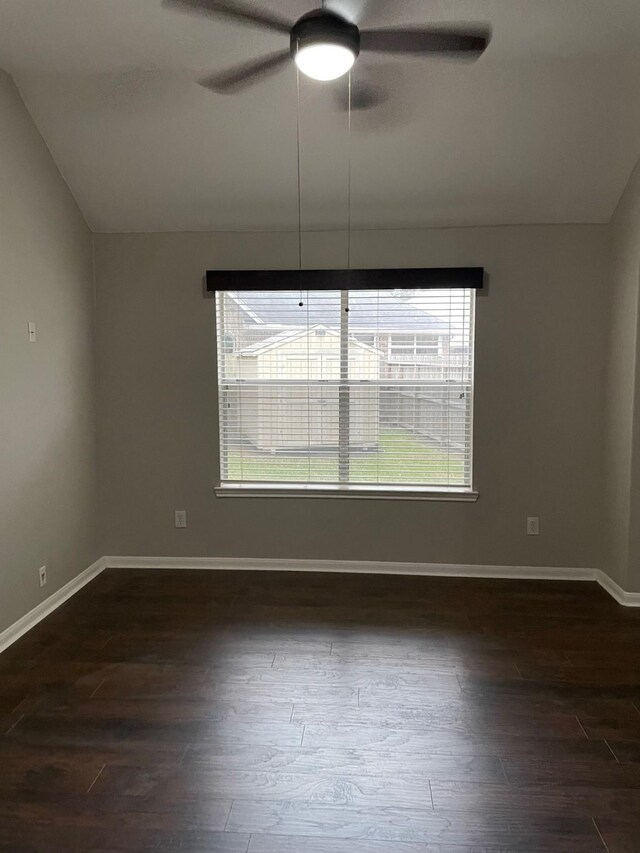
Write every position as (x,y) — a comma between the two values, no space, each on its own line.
(235,489)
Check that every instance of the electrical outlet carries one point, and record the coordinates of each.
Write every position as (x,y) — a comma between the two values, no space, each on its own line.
(42,574)
(181,518)
(533,526)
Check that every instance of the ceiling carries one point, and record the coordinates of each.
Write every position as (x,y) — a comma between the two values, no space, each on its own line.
(545,127)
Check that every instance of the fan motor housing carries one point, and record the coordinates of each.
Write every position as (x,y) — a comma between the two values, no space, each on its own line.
(322,27)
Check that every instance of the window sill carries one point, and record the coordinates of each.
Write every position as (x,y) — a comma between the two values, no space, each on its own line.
(291,490)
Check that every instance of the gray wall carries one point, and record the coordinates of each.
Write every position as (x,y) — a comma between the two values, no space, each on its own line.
(622,445)
(540,358)
(557,426)
(48,495)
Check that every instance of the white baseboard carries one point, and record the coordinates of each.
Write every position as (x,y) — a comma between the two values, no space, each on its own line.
(15,631)
(354,567)
(30,619)
(627,599)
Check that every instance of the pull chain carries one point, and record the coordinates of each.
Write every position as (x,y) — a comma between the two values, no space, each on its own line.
(299,172)
(349,182)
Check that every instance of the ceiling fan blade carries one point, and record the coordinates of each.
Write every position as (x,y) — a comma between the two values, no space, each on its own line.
(425,41)
(244,75)
(238,12)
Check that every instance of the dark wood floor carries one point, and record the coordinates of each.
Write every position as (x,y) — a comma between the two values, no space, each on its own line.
(300,713)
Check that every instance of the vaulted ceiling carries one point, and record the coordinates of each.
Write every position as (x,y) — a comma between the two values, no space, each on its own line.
(545,127)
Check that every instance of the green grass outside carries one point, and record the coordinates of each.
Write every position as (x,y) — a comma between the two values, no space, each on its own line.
(401,458)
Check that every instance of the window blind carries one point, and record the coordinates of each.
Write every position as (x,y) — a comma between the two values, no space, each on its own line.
(346,387)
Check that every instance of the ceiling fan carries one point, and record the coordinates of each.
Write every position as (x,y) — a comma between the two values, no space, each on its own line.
(324,45)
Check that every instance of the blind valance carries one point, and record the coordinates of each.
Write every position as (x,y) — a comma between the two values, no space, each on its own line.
(464,278)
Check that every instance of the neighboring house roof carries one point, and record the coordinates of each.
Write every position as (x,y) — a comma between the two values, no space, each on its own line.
(365,312)
(288,337)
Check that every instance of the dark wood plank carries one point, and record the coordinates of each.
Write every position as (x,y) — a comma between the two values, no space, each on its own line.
(447,716)
(447,741)
(601,676)
(443,660)
(262,843)
(295,844)
(104,819)
(535,799)
(105,731)
(190,783)
(333,673)
(176,711)
(625,750)
(621,725)
(203,841)
(322,761)
(567,770)
(474,687)
(49,770)
(514,832)
(620,834)
(127,685)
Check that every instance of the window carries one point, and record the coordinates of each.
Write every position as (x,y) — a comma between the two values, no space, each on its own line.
(363,392)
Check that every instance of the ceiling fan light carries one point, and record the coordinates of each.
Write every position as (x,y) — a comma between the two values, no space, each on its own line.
(325,61)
